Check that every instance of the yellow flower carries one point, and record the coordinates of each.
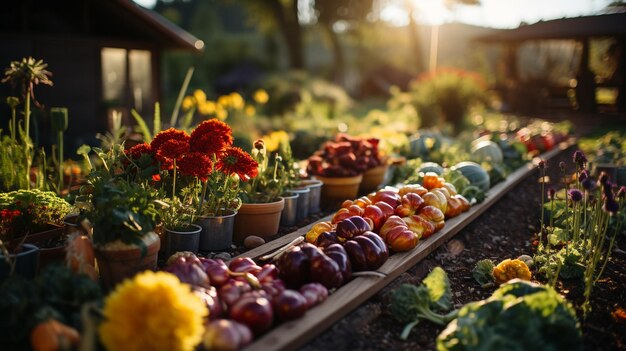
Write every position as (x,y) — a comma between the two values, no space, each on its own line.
(236,101)
(188,103)
(274,139)
(261,96)
(207,108)
(511,269)
(221,113)
(199,95)
(152,311)
(250,111)
(224,101)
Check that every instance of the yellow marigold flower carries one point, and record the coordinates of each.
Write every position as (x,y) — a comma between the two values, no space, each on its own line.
(511,269)
(261,96)
(207,108)
(152,311)
(236,101)
(274,139)
(188,103)
(221,113)
(224,101)
(199,95)
(250,111)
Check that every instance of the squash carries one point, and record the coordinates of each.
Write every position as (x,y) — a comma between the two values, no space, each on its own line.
(422,143)
(474,173)
(430,167)
(487,151)
(52,335)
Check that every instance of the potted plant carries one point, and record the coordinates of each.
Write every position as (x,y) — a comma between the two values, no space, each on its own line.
(34,217)
(341,165)
(220,169)
(119,203)
(262,204)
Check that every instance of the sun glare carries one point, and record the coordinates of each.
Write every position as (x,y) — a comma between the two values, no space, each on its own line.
(432,12)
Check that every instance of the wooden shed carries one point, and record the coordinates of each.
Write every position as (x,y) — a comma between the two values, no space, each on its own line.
(104,55)
(583,30)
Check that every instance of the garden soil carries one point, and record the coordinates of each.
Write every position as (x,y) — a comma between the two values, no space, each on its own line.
(504,231)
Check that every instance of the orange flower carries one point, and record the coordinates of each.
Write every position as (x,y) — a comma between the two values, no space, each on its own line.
(211,136)
(236,161)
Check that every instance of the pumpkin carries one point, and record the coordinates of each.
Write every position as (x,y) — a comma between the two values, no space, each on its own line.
(474,173)
(487,150)
(431,167)
(52,335)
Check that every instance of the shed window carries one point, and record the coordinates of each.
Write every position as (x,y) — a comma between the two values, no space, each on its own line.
(127,79)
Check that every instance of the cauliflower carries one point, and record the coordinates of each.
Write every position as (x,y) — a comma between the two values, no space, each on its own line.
(511,269)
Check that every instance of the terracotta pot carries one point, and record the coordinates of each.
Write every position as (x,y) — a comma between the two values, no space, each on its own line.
(118,261)
(372,179)
(337,190)
(257,219)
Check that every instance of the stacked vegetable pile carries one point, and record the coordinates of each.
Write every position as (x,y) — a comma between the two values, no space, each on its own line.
(346,156)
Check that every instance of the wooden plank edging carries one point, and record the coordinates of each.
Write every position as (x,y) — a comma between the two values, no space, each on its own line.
(291,335)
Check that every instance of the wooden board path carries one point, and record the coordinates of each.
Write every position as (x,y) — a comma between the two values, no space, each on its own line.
(291,335)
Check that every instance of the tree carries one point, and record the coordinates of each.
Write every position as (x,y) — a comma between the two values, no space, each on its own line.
(283,15)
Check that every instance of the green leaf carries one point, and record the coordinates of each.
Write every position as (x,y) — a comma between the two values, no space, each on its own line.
(439,288)
(483,272)
(142,126)
(157,119)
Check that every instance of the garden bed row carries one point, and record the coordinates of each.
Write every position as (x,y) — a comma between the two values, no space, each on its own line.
(291,335)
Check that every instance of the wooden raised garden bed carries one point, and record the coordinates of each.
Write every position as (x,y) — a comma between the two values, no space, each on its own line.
(291,335)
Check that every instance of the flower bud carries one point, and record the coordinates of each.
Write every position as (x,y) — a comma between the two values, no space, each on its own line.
(575,195)
(562,166)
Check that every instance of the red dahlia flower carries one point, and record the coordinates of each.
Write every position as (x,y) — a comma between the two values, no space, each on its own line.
(211,136)
(236,161)
(195,164)
(173,149)
(169,134)
(136,151)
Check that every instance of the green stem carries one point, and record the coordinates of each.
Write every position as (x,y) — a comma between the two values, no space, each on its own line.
(543,173)
(60,143)
(13,123)
(27,113)
(174,183)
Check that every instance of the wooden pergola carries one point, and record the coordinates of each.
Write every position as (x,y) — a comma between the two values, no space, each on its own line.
(581,29)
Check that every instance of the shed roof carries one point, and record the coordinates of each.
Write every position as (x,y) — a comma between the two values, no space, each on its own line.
(100,19)
(163,29)
(565,28)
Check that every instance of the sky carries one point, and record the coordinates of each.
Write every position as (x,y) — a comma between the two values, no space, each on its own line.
(490,13)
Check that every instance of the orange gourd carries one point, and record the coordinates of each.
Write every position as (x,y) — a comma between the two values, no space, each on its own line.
(52,335)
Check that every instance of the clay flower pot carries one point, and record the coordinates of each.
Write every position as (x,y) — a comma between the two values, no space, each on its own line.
(261,220)
(118,261)
(337,190)
(372,179)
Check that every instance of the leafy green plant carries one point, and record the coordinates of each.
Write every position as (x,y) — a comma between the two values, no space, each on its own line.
(266,186)
(584,223)
(30,211)
(410,303)
(25,74)
(518,316)
(483,273)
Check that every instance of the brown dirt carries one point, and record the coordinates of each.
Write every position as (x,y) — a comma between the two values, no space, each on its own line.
(504,231)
